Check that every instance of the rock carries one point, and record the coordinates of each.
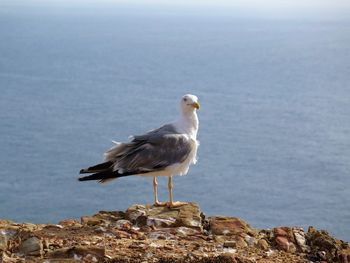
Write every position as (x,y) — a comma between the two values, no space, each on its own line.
(160,222)
(3,240)
(300,240)
(79,253)
(69,222)
(280,231)
(30,227)
(284,232)
(343,258)
(100,229)
(220,225)
(111,216)
(251,241)
(220,239)
(134,212)
(164,234)
(322,241)
(321,255)
(230,243)
(187,215)
(269,253)
(229,251)
(284,239)
(5,223)
(123,224)
(4,258)
(263,244)
(292,248)
(240,242)
(52,227)
(120,234)
(159,234)
(31,247)
(46,244)
(282,243)
(311,230)
(103,218)
(90,220)
(186,231)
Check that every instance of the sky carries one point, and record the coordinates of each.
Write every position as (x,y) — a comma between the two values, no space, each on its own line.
(247,3)
(277,4)
(326,8)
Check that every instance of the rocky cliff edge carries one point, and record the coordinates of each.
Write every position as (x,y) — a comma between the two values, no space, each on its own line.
(158,234)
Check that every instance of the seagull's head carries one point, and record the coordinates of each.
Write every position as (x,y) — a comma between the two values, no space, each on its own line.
(189,103)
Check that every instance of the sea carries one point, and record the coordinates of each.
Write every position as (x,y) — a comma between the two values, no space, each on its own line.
(274,120)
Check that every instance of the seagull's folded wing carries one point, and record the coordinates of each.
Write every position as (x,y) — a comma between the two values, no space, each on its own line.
(153,151)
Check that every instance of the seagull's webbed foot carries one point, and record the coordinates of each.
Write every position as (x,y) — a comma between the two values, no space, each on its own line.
(159,204)
(175,204)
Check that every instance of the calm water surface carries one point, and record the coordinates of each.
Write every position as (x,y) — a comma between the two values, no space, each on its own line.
(274,122)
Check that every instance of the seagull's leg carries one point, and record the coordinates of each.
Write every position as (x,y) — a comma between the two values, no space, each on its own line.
(155,190)
(170,188)
(172,204)
(156,202)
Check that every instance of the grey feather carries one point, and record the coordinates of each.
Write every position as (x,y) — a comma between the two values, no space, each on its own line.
(152,151)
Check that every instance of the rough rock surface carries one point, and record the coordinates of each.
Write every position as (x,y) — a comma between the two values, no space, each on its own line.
(188,215)
(157,234)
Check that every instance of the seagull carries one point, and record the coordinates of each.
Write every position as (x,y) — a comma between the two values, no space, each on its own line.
(166,151)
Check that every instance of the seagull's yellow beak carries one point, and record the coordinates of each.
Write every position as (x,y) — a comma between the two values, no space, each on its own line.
(196,105)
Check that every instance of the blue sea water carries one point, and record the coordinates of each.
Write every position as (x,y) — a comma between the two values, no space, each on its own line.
(274,122)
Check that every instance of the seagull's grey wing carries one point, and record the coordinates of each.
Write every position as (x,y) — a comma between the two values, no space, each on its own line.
(165,129)
(153,151)
(122,149)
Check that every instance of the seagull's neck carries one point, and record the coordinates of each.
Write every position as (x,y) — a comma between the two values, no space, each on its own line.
(188,123)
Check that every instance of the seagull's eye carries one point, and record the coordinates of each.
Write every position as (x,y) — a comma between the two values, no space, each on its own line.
(185,99)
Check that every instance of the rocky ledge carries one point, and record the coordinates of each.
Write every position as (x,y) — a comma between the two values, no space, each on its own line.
(157,234)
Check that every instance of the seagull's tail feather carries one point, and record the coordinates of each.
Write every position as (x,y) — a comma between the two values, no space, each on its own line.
(97,168)
(103,176)
(108,175)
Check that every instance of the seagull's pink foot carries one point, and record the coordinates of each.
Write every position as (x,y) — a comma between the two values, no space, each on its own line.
(175,204)
(157,203)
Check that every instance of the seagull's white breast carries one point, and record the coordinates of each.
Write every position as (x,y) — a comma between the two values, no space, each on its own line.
(191,159)
(188,125)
